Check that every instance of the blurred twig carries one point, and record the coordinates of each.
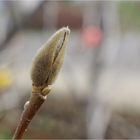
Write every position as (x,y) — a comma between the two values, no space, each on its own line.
(16,27)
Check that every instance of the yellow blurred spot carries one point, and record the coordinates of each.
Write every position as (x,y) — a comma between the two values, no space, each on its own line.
(5,78)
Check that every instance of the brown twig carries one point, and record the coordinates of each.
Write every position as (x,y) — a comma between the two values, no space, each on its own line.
(30,110)
(45,68)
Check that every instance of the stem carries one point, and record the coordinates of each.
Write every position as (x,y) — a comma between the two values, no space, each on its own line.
(36,101)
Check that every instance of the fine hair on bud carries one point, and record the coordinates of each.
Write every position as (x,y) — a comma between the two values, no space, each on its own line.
(49,59)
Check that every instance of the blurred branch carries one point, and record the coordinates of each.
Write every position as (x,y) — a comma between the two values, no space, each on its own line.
(16,27)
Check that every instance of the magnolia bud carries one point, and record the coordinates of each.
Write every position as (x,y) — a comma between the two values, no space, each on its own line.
(48,60)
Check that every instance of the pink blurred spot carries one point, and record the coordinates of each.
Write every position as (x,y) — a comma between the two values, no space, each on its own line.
(92,36)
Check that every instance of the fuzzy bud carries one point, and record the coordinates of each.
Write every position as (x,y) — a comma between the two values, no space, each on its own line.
(48,61)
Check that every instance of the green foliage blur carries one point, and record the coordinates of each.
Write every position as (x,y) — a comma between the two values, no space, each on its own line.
(130,15)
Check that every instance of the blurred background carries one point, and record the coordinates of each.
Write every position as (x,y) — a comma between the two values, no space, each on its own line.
(97,93)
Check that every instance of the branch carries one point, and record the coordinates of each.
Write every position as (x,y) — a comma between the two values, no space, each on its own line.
(30,110)
(15,28)
(45,68)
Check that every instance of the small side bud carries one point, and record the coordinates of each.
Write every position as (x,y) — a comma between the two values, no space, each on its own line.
(26,105)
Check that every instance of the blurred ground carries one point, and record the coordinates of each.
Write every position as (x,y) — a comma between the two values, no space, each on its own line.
(57,120)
